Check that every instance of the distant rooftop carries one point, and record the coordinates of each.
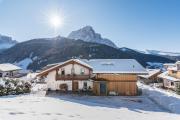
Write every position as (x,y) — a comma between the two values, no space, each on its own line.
(9,67)
(166,76)
(151,72)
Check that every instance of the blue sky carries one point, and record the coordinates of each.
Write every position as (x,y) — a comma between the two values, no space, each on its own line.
(137,24)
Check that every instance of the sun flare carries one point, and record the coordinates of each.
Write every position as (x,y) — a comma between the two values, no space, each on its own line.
(56,21)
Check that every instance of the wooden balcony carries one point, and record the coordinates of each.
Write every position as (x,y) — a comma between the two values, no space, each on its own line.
(72,77)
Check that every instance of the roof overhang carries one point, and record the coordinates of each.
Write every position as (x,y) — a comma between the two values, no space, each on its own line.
(71,61)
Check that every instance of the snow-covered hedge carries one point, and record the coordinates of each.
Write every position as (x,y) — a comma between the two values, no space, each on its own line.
(167,100)
(14,87)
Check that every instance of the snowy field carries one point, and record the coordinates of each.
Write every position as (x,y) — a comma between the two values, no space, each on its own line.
(72,107)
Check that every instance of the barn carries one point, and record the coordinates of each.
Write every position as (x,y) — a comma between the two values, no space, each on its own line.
(115,76)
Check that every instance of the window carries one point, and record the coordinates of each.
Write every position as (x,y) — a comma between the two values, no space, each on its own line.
(172,83)
(85,85)
(174,72)
(62,71)
(82,71)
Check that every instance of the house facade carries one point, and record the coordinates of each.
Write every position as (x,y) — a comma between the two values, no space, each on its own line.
(101,76)
(171,78)
(9,70)
(72,75)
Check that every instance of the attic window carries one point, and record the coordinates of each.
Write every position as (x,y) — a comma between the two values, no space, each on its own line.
(82,71)
(62,71)
(107,63)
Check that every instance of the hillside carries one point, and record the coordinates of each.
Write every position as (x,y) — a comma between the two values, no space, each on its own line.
(40,52)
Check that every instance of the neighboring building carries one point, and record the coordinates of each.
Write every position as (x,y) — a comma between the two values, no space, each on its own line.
(151,77)
(171,78)
(168,65)
(9,70)
(102,76)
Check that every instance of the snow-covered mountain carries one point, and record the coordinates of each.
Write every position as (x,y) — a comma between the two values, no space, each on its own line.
(6,42)
(88,34)
(159,53)
(156,52)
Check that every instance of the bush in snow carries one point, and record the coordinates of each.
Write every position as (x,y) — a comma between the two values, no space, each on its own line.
(14,87)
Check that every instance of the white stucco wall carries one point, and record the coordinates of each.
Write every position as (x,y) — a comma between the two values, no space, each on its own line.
(77,69)
(167,84)
(81,84)
(51,81)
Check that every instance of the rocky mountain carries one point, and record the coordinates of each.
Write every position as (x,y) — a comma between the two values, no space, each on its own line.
(6,42)
(88,34)
(37,53)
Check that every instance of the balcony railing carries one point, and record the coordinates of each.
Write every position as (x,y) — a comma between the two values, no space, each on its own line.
(72,77)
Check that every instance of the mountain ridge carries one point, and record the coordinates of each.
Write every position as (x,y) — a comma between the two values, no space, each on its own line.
(40,52)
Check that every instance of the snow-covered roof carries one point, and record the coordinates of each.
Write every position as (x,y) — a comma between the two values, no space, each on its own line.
(178,62)
(172,68)
(83,63)
(62,63)
(169,64)
(116,66)
(166,76)
(9,67)
(151,72)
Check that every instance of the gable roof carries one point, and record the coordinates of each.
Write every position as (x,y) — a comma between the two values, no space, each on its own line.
(77,61)
(151,72)
(9,67)
(116,66)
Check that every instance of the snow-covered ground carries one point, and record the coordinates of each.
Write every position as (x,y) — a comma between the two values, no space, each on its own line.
(165,99)
(24,63)
(73,107)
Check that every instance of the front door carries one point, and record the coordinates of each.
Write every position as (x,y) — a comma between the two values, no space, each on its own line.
(75,86)
(103,88)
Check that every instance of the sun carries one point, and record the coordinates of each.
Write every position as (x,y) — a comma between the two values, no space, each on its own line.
(56,21)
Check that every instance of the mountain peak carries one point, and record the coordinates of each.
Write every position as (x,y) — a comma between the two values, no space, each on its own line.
(6,39)
(88,34)
(88,28)
(6,42)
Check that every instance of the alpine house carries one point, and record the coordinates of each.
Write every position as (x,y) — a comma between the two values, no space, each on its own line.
(99,76)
